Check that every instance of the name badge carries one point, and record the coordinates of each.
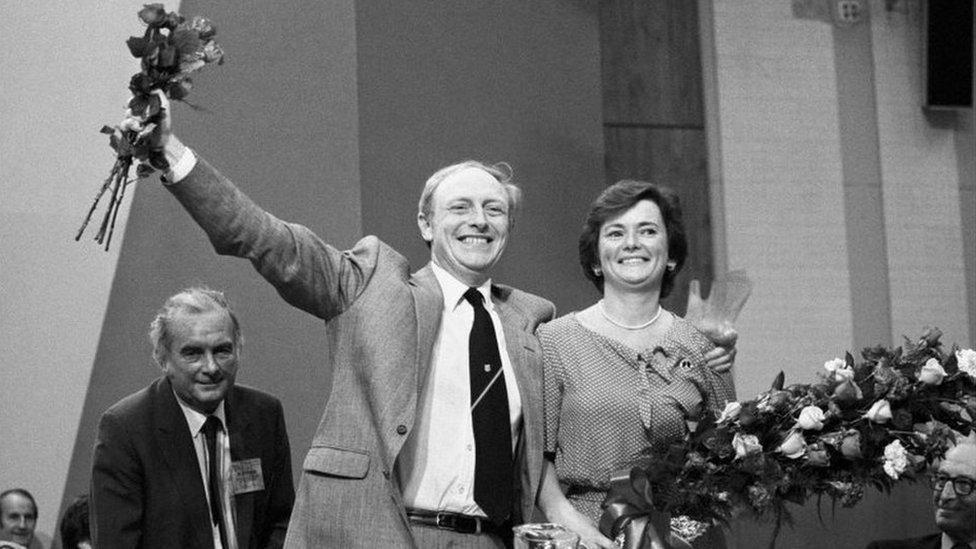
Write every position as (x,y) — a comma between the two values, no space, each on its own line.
(246,476)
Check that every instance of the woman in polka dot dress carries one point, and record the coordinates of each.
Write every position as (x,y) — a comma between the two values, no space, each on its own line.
(622,375)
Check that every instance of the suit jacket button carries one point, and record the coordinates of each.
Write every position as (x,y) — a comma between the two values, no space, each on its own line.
(401,429)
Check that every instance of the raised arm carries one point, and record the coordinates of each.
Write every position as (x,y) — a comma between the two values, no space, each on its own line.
(308,273)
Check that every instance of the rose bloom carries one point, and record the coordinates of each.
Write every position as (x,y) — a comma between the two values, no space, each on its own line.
(848,390)
(851,445)
(880,412)
(778,400)
(745,445)
(932,373)
(794,446)
(967,361)
(817,455)
(895,459)
(902,419)
(839,370)
(204,27)
(152,14)
(213,53)
(811,418)
(731,412)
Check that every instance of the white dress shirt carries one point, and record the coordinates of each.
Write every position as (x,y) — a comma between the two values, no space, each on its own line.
(195,421)
(436,465)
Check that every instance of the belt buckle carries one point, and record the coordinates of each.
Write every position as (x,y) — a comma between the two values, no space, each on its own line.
(459,523)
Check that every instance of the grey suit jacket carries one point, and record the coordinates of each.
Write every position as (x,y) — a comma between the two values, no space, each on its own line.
(381,323)
(146,485)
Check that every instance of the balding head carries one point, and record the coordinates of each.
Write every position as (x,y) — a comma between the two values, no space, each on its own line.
(18,516)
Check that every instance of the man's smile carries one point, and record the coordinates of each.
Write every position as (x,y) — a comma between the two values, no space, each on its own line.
(476,239)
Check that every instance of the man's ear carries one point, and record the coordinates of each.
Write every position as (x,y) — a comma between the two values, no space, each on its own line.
(160,360)
(426,231)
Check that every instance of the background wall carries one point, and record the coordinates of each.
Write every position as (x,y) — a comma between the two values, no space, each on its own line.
(653,116)
(61,82)
(495,81)
(844,200)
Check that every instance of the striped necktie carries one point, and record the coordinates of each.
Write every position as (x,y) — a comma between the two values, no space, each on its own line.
(493,490)
(210,428)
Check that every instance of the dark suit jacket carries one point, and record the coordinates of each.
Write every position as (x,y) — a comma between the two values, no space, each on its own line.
(933,541)
(381,322)
(146,485)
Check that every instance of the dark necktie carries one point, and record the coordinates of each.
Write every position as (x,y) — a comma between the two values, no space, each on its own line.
(489,417)
(210,428)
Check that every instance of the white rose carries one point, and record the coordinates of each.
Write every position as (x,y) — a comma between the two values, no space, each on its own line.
(838,369)
(932,373)
(880,412)
(745,445)
(811,418)
(895,459)
(731,412)
(835,364)
(794,446)
(966,358)
(131,123)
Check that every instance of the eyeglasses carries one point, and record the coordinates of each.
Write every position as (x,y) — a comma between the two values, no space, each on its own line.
(962,486)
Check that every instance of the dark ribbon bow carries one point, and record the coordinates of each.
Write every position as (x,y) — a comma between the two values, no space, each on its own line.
(629,508)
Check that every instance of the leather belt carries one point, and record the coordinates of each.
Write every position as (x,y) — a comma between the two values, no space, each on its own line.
(464,524)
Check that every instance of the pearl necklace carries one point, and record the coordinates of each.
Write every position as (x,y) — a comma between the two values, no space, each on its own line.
(657,315)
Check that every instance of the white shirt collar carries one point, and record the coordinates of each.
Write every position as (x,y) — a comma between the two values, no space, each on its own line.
(195,419)
(453,289)
(947,542)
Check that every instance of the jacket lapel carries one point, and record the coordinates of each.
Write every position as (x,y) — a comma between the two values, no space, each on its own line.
(521,354)
(238,425)
(180,457)
(429,305)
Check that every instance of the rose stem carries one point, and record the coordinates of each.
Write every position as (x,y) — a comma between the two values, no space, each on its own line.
(100,237)
(123,184)
(98,197)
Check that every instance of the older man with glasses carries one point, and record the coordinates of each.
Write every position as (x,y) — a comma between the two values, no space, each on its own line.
(955,503)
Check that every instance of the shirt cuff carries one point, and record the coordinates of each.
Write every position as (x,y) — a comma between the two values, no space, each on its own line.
(181,159)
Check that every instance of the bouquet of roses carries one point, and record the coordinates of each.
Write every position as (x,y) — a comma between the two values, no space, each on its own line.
(170,50)
(867,423)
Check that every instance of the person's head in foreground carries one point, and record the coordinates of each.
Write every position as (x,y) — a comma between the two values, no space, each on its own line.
(953,491)
(74,529)
(18,516)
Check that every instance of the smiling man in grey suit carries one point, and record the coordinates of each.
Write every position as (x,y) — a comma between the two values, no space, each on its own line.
(432,434)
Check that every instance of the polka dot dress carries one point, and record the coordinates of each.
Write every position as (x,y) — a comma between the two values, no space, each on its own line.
(606,403)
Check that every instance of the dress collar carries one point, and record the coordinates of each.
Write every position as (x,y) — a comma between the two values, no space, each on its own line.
(947,542)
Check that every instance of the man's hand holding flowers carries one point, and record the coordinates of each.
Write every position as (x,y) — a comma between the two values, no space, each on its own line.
(170,50)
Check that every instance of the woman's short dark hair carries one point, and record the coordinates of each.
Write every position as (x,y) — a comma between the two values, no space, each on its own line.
(617,199)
